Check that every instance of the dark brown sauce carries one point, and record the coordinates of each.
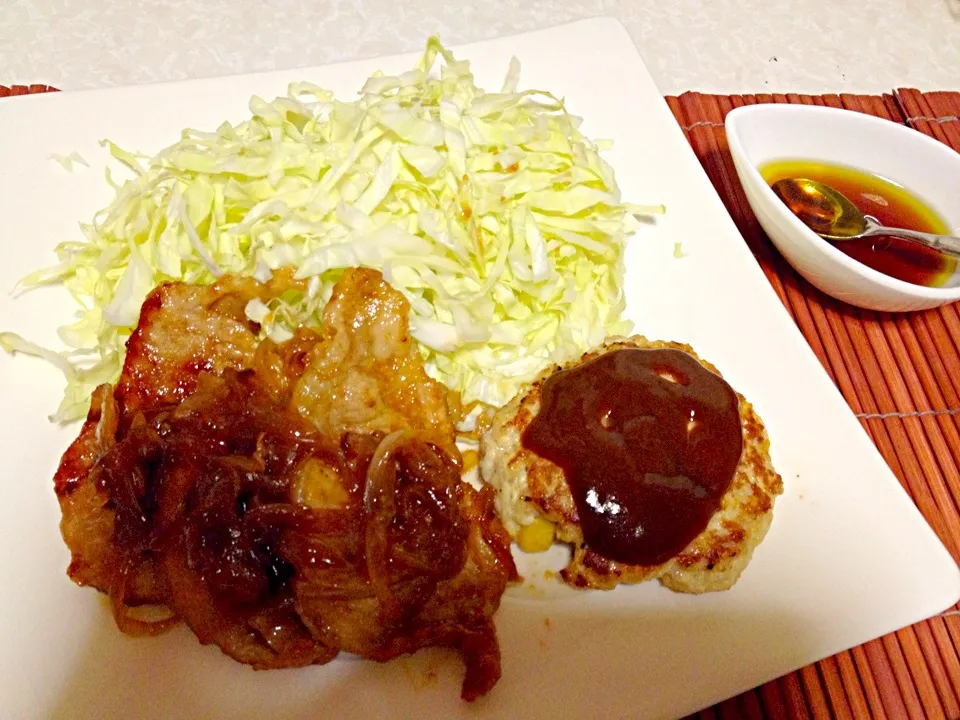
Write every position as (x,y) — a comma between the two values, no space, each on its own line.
(891,205)
(649,441)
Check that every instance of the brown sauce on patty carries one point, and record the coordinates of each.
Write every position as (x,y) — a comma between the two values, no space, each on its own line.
(648,440)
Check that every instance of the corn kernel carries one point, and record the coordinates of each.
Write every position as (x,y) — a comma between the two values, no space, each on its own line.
(317,485)
(537,536)
(470,460)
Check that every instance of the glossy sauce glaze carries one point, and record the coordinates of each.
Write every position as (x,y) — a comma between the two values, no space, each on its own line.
(891,205)
(648,440)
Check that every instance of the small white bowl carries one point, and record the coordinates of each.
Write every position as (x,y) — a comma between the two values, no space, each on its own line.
(759,134)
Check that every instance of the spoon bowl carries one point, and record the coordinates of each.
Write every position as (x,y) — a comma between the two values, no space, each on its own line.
(827,212)
(832,216)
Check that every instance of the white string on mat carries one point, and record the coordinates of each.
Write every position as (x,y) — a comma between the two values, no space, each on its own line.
(938,120)
(911,120)
(909,414)
(701,123)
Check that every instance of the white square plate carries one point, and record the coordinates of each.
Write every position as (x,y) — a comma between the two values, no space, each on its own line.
(848,558)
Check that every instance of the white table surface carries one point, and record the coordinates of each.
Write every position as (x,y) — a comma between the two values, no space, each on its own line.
(726,46)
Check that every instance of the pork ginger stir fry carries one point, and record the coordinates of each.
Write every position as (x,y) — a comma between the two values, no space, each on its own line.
(285,501)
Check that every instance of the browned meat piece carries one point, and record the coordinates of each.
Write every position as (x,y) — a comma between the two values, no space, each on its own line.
(285,501)
(188,329)
(366,375)
(183,330)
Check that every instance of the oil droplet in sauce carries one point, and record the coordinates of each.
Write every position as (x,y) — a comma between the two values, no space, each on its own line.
(891,205)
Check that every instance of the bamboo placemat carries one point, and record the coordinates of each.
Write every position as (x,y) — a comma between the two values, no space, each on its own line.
(24,90)
(900,375)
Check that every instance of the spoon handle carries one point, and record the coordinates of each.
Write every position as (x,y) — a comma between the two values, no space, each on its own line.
(947,244)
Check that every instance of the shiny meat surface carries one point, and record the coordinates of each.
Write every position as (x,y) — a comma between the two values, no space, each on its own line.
(530,487)
(285,501)
(366,374)
(188,329)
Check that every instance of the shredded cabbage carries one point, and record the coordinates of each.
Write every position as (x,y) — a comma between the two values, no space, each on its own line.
(491,212)
(67,161)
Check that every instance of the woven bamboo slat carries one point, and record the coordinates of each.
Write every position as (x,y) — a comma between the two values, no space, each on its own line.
(6,91)
(899,375)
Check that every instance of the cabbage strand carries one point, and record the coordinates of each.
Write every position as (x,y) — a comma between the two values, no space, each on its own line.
(494,216)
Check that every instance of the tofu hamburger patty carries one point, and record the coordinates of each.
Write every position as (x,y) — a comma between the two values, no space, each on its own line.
(534,497)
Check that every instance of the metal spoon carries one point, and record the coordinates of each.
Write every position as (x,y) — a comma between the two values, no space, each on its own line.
(833,217)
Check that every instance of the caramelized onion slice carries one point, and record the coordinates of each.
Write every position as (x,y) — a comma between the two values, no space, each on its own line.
(415,535)
(126,616)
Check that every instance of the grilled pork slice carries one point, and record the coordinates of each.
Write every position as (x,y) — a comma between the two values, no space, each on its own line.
(285,501)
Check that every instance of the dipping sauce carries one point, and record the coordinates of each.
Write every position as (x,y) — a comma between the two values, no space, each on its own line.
(891,205)
(648,440)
